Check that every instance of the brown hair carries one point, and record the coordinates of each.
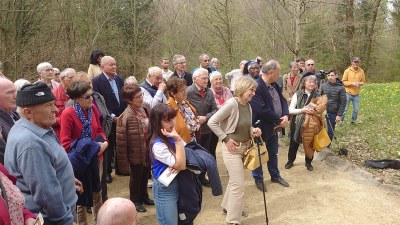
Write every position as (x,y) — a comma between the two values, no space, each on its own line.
(174,84)
(129,91)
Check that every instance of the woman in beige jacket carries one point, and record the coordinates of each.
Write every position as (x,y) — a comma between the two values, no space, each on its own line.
(232,125)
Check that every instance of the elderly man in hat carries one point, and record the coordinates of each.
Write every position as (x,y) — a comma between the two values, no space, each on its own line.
(38,161)
(353,79)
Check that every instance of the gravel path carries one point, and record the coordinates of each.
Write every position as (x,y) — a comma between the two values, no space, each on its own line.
(340,195)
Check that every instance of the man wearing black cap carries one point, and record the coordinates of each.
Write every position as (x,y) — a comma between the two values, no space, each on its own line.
(353,79)
(38,161)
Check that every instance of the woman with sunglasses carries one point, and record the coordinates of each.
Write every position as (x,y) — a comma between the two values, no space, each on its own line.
(82,120)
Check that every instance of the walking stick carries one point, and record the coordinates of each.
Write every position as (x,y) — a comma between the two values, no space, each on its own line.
(258,141)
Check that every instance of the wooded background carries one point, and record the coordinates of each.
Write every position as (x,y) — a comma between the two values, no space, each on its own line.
(138,33)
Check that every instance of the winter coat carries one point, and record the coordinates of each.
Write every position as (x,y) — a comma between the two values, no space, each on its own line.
(336,97)
(312,125)
(130,140)
(288,89)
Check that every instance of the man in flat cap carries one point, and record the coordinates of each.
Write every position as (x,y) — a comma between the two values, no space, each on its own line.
(38,161)
(353,79)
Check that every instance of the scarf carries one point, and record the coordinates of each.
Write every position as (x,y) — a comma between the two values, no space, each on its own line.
(219,95)
(191,120)
(86,128)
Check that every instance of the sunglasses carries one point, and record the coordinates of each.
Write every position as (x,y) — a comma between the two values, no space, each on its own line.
(310,64)
(87,96)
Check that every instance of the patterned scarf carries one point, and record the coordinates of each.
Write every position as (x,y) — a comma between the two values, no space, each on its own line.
(86,128)
(191,120)
(219,95)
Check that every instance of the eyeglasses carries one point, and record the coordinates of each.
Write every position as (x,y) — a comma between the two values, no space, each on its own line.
(203,78)
(139,96)
(87,96)
(310,64)
(181,63)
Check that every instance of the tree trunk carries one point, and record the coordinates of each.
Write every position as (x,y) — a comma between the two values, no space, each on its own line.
(370,34)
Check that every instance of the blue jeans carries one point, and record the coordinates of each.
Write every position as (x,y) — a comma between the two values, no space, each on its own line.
(272,147)
(356,103)
(166,202)
(331,123)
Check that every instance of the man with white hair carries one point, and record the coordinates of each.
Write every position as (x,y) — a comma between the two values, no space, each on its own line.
(60,92)
(202,99)
(235,74)
(8,116)
(45,71)
(153,87)
(35,157)
(117,211)
(109,85)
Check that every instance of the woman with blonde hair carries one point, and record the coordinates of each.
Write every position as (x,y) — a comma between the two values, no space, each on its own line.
(232,124)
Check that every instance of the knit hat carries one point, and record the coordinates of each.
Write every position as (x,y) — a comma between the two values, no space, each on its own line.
(34,94)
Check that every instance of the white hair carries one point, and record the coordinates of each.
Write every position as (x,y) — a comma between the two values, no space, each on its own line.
(56,70)
(105,59)
(214,60)
(66,71)
(20,83)
(199,71)
(155,70)
(214,75)
(20,111)
(130,80)
(43,66)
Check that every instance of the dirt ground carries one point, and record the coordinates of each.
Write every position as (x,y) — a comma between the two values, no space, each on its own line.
(323,196)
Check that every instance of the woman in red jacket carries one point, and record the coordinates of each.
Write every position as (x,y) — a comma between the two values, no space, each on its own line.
(82,119)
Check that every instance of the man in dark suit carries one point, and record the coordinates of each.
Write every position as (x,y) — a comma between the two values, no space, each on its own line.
(8,116)
(109,85)
(270,107)
(179,63)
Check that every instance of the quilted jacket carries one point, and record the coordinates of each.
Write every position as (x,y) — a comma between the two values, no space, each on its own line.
(130,137)
(313,124)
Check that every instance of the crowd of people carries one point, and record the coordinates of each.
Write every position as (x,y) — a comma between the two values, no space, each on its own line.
(62,136)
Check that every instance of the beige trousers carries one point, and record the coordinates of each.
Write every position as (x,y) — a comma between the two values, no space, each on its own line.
(234,194)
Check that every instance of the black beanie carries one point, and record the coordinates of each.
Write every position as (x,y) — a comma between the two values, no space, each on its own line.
(34,94)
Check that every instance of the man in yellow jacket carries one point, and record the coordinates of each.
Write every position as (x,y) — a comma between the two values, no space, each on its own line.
(353,79)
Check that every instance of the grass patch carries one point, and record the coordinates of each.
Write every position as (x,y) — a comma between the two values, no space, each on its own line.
(377,129)
(376,134)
